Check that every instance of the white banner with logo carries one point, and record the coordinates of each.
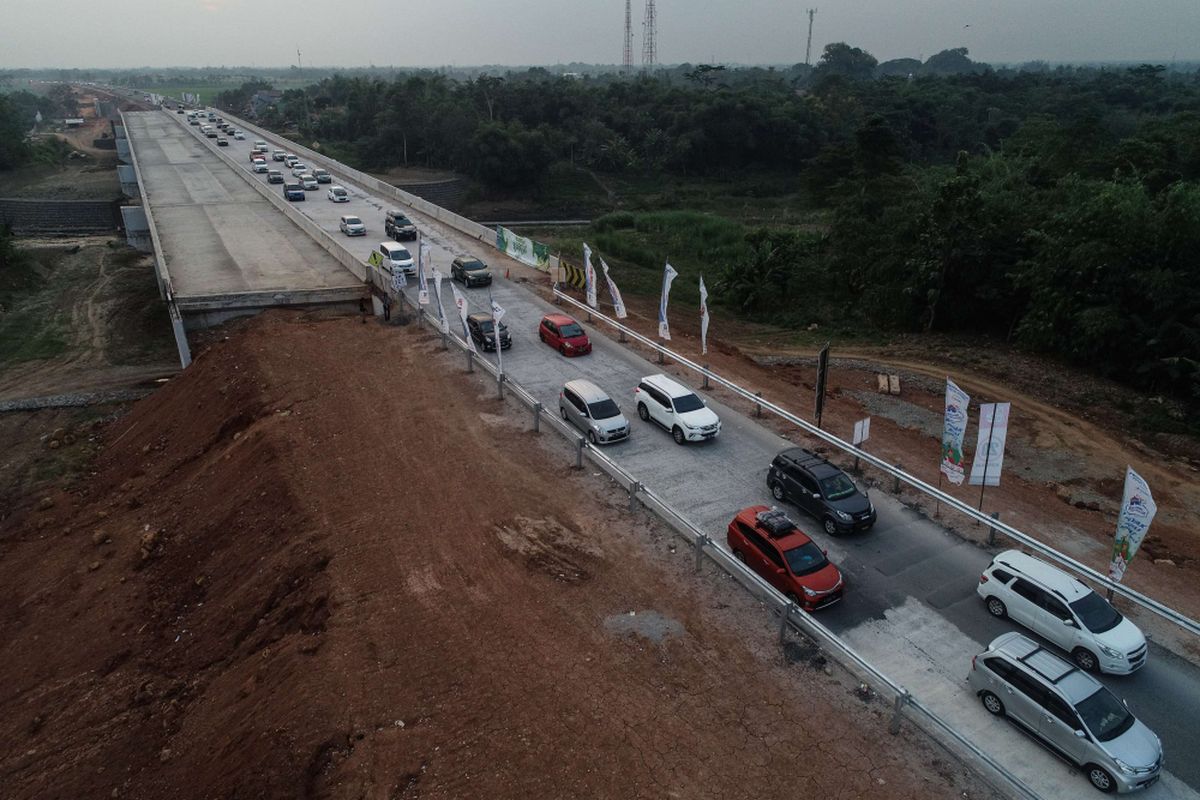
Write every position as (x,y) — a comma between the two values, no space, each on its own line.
(422,285)
(589,276)
(435,275)
(862,431)
(618,303)
(703,318)
(953,432)
(461,303)
(1137,512)
(989,450)
(664,328)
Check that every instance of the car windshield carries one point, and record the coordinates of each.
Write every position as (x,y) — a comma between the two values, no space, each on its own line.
(805,559)
(1104,715)
(469,266)
(400,253)
(570,330)
(838,487)
(604,409)
(339,192)
(689,402)
(1095,614)
(485,326)
(353,221)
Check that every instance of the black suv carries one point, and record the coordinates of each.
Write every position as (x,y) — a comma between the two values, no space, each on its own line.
(480,326)
(806,479)
(398,226)
(471,271)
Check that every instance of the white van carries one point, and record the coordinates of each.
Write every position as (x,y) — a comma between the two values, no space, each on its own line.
(397,257)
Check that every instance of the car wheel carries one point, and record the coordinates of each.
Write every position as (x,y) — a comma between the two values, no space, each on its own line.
(677,433)
(830,526)
(1084,659)
(996,608)
(643,412)
(738,555)
(992,704)
(563,412)
(1100,778)
(592,437)
(777,491)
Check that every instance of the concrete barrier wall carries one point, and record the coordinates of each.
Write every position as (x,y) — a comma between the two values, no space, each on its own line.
(160,259)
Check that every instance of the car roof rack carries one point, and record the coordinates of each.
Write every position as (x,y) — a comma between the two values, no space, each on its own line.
(775,522)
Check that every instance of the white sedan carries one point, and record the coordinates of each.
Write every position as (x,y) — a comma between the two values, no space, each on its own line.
(299,169)
(338,195)
(239,135)
(260,165)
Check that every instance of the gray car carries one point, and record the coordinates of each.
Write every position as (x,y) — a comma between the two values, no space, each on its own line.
(1068,710)
(586,406)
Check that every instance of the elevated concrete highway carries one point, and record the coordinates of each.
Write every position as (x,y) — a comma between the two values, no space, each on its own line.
(226,251)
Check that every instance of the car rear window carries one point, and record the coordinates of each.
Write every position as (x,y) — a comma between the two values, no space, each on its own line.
(353,221)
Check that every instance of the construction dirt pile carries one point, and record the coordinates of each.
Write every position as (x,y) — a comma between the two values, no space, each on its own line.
(323,562)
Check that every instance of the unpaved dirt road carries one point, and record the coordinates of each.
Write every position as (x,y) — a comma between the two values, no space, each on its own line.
(324,562)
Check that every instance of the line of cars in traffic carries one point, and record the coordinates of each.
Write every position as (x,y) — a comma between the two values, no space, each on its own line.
(1053,699)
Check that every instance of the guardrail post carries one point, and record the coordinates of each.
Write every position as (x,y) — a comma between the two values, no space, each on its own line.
(702,541)
(634,488)
(578,452)
(706,376)
(758,406)
(621,338)
(784,619)
(537,417)
(500,385)
(992,530)
(896,479)
(445,341)
(660,355)
(470,359)
(898,711)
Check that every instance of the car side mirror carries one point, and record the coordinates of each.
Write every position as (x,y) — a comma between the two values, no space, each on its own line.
(816,495)
(824,552)
(1081,734)
(1070,623)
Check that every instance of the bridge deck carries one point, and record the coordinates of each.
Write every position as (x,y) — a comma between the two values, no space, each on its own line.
(220,237)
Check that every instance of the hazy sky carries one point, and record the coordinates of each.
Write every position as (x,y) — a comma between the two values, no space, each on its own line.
(129,33)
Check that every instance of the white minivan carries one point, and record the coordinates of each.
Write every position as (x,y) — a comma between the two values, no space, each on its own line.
(1063,610)
(396,257)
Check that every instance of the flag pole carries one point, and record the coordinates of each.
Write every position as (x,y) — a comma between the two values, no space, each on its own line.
(987,456)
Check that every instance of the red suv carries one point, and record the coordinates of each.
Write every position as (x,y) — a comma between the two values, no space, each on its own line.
(564,334)
(768,542)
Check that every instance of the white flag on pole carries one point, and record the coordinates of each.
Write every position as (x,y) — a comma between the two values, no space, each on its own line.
(589,274)
(618,303)
(1137,512)
(989,449)
(664,328)
(422,284)
(461,303)
(436,276)
(399,280)
(497,315)
(703,317)
(953,431)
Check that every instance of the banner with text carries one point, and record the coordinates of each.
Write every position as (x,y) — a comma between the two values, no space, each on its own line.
(1137,512)
(527,251)
(989,450)
(953,431)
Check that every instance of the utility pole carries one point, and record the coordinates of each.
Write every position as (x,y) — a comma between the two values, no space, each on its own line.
(812,12)
(300,68)
(627,58)
(649,53)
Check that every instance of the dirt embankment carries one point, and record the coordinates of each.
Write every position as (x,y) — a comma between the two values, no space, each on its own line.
(323,563)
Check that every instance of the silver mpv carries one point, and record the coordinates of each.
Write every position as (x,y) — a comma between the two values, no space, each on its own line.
(1068,710)
(587,407)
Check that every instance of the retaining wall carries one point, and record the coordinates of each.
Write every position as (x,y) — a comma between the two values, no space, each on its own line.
(60,216)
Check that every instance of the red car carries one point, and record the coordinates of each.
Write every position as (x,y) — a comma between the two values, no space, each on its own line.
(768,542)
(564,334)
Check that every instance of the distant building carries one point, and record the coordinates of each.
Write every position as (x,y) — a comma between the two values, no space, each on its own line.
(261,101)
(73,122)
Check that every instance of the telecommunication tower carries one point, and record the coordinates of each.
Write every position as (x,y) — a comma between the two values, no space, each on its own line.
(627,61)
(649,54)
(812,12)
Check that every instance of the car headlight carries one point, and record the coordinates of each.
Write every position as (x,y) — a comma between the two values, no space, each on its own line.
(1121,765)
(843,516)
(1110,652)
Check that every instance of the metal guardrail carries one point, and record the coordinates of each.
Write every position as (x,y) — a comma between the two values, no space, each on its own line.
(1166,612)
(791,615)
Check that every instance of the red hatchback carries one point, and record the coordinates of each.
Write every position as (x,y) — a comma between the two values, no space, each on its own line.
(564,334)
(768,542)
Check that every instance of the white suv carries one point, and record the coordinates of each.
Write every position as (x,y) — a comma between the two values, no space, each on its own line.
(1064,610)
(676,408)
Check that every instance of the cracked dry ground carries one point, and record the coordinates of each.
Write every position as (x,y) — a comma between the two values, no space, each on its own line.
(324,562)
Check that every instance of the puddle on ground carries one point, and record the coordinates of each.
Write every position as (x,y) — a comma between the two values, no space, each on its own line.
(647,624)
